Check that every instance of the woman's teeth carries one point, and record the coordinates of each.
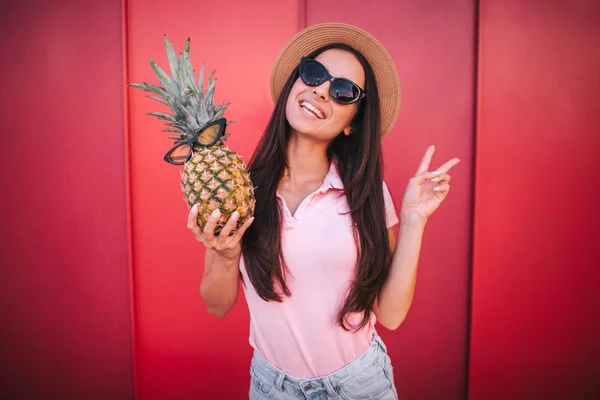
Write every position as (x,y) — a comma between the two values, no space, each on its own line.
(312,109)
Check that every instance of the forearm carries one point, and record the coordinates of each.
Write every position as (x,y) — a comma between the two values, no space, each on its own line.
(397,293)
(219,288)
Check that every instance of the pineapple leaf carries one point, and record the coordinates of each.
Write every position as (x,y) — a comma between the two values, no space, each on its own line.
(201,83)
(173,62)
(202,110)
(183,113)
(187,73)
(169,84)
(164,116)
(222,106)
(212,74)
(210,92)
(186,93)
(182,85)
(191,103)
(186,46)
(148,87)
(158,99)
(220,110)
(179,127)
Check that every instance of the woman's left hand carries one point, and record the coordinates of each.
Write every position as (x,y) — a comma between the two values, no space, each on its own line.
(426,190)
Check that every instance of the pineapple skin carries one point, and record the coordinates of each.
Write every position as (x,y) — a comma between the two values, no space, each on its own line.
(216,177)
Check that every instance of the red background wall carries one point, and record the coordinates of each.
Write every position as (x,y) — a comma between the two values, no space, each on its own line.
(536,275)
(65,329)
(525,326)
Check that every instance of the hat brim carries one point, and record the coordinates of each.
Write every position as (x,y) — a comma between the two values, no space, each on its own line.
(316,36)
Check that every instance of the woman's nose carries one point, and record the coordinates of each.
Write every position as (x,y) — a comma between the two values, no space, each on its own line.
(322,90)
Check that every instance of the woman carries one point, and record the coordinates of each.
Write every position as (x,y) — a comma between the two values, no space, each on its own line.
(319,261)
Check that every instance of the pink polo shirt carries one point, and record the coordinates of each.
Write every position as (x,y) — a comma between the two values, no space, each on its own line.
(300,335)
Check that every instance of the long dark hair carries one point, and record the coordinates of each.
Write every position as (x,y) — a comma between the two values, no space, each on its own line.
(360,165)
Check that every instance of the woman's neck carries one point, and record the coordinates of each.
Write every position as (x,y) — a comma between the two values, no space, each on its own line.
(307,160)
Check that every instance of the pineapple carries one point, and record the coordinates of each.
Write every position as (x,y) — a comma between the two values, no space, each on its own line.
(214,176)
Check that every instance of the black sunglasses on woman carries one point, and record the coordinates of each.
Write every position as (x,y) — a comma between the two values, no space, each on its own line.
(341,90)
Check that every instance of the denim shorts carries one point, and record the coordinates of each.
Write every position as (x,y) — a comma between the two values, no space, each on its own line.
(369,377)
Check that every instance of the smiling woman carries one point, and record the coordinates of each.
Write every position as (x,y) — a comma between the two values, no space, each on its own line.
(313,290)
(318,96)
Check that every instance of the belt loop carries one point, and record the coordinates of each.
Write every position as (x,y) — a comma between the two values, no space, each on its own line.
(380,341)
(330,390)
(279,380)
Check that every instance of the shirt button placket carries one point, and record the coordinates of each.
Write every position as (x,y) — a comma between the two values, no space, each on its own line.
(304,205)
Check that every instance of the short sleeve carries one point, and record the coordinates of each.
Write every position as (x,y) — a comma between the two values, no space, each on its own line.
(391,216)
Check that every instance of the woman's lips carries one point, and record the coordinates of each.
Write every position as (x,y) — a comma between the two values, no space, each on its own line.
(312,109)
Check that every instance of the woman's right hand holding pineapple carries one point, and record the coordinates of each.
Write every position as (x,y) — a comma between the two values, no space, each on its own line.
(225,244)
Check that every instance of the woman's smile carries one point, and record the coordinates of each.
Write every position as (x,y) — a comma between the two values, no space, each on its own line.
(312,110)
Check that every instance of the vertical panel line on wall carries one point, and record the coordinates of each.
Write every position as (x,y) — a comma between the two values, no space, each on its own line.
(476,29)
(128,213)
(302,18)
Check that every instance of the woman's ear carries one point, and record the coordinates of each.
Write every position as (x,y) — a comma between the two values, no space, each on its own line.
(347,130)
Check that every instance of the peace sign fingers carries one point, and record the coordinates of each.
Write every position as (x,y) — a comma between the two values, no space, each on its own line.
(424,166)
(448,164)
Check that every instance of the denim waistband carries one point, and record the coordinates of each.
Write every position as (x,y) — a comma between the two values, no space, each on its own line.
(327,382)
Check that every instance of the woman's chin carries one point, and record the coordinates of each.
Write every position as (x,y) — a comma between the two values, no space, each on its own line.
(309,128)
(301,124)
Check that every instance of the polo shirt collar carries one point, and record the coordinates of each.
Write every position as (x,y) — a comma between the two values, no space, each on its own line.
(332,179)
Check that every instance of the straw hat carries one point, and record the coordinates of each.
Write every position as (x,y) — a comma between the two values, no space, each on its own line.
(316,36)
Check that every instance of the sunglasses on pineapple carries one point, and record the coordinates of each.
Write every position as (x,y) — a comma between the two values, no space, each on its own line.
(341,90)
(206,136)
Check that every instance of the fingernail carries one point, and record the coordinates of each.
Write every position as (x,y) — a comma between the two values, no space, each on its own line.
(235,214)
(215,213)
(436,172)
(437,188)
(436,179)
(195,207)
